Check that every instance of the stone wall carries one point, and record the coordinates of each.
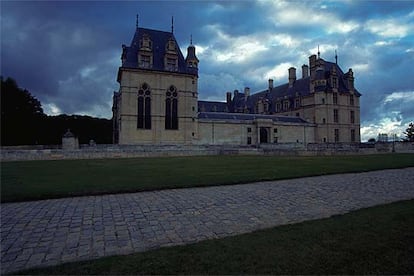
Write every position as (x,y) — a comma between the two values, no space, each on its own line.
(129,151)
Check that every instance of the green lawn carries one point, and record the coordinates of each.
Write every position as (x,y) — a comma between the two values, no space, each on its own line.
(378,240)
(32,180)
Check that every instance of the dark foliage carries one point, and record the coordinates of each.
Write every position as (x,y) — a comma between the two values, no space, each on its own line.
(409,133)
(24,123)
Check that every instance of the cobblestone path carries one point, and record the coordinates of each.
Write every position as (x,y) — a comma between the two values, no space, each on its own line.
(48,232)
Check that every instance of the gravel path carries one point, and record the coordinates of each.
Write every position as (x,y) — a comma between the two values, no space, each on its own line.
(49,232)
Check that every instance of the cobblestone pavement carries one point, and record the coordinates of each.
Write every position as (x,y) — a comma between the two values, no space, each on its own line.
(48,232)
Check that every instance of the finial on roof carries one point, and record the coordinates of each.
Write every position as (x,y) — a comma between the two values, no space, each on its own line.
(336,57)
(172,24)
(136,23)
(191,39)
(319,53)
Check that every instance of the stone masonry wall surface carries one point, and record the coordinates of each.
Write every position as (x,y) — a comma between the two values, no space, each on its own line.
(130,151)
(49,232)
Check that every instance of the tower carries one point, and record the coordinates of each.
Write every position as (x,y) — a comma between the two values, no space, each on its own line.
(157,98)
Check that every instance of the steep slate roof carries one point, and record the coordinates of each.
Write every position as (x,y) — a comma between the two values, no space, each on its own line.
(249,117)
(209,106)
(282,92)
(159,41)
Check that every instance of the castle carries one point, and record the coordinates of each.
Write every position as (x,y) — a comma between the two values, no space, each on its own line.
(157,102)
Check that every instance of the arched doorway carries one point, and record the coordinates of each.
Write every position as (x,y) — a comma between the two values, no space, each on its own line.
(264,135)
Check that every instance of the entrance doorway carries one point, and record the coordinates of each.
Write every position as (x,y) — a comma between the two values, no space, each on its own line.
(264,135)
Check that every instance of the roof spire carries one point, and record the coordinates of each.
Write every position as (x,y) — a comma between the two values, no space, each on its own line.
(336,57)
(172,24)
(191,39)
(136,22)
(319,53)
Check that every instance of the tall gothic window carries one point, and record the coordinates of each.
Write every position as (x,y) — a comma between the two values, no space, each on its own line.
(171,108)
(144,107)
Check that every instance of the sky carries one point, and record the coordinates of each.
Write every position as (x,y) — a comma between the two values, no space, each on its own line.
(67,53)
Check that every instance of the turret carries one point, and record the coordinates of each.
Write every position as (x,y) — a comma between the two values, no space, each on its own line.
(191,60)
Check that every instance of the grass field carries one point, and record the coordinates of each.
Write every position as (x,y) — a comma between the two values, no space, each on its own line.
(378,240)
(32,180)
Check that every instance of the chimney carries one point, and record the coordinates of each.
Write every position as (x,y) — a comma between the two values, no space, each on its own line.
(350,77)
(247,91)
(312,65)
(305,71)
(236,93)
(270,84)
(228,97)
(292,76)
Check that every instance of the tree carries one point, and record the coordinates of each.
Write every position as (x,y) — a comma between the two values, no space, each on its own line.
(24,123)
(409,133)
(21,114)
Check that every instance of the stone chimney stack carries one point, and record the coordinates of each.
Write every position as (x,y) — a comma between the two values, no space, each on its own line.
(246,93)
(350,77)
(305,71)
(292,76)
(270,84)
(228,97)
(312,65)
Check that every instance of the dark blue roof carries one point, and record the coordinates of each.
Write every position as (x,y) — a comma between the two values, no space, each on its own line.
(249,117)
(209,106)
(300,87)
(159,41)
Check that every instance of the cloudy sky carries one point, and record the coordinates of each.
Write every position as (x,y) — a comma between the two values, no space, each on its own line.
(67,53)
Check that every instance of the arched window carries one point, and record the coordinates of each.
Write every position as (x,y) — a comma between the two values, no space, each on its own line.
(171,108)
(144,107)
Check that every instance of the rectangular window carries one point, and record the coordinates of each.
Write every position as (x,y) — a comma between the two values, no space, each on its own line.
(336,134)
(297,103)
(145,61)
(249,129)
(171,64)
(352,117)
(275,140)
(285,105)
(336,116)
(334,83)
(352,135)
(275,130)
(335,98)
(278,109)
(351,100)
(249,140)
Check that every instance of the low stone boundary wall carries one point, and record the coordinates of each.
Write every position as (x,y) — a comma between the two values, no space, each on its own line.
(21,153)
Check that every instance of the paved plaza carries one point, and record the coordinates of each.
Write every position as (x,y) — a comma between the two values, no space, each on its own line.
(49,232)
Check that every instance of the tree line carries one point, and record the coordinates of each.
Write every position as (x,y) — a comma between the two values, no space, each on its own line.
(23,121)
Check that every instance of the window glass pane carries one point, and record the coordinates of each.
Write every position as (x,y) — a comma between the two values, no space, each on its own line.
(140,122)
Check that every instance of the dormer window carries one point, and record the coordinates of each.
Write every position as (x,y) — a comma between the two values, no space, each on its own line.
(171,64)
(171,47)
(145,61)
(334,82)
(145,43)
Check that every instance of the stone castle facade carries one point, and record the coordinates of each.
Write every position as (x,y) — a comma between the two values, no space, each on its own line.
(157,102)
